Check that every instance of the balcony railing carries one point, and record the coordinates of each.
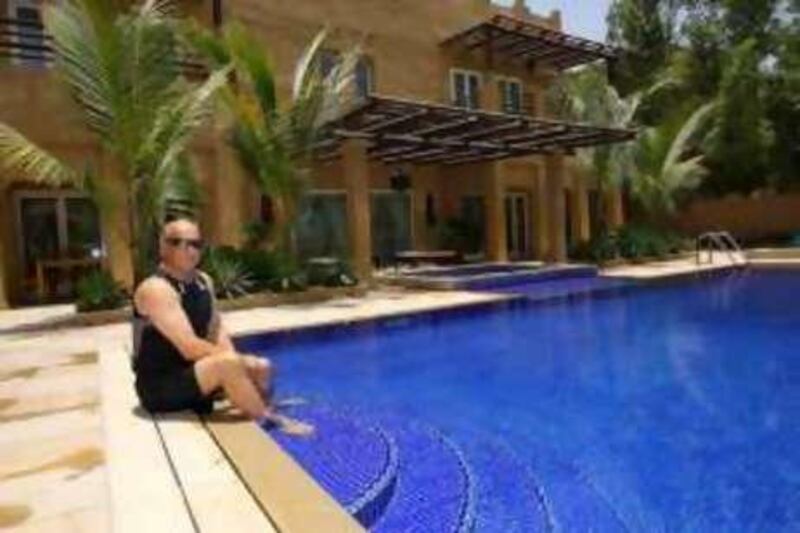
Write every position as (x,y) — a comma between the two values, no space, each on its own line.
(25,43)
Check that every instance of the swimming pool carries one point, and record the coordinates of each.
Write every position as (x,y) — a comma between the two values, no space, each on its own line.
(666,408)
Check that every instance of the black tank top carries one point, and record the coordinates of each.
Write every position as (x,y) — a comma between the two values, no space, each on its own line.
(154,354)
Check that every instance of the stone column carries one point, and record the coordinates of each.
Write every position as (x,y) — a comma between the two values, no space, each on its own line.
(496,249)
(615,216)
(557,239)
(355,166)
(540,218)
(422,181)
(581,227)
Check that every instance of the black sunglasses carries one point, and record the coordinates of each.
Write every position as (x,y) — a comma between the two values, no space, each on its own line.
(176,242)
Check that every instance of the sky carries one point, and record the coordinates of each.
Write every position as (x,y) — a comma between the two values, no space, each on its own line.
(584,18)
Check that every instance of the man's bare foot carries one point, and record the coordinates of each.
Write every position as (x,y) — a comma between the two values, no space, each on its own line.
(296,428)
(290,426)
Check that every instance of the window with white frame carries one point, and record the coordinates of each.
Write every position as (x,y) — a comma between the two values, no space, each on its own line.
(465,88)
(510,90)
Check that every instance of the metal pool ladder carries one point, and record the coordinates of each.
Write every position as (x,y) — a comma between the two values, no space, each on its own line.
(721,241)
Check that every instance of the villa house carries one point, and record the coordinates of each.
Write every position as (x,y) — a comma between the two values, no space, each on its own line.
(453,123)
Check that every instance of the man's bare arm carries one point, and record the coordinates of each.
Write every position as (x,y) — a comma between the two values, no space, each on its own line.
(217,332)
(157,300)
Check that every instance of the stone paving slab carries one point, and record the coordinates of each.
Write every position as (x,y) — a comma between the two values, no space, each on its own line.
(665,269)
(52,476)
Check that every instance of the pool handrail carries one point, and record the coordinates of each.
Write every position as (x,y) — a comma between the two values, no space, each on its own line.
(724,242)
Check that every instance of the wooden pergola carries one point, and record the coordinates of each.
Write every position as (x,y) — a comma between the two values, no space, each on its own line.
(407,131)
(513,40)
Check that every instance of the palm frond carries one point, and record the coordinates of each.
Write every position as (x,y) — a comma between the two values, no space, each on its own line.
(27,160)
(308,66)
(176,122)
(251,63)
(688,132)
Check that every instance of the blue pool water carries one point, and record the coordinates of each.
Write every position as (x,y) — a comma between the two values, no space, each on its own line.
(667,408)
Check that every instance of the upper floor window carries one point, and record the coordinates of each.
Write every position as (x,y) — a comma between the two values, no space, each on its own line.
(328,59)
(510,90)
(364,77)
(363,72)
(465,88)
(26,32)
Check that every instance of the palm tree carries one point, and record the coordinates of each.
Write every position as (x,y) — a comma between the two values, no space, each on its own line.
(123,69)
(663,170)
(654,165)
(586,96)
(275,143)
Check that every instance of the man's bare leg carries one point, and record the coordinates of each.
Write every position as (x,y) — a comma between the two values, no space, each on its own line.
(260,372)
(225,370)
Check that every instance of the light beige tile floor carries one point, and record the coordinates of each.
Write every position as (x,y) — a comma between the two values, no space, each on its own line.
(52,474)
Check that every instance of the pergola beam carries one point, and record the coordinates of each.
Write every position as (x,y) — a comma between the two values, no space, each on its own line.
(427,133)
(514,39)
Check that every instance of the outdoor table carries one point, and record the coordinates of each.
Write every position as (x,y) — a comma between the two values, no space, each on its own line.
(42,265)
(415,257)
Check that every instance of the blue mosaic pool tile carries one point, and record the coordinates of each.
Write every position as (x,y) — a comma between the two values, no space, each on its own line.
(353,461)
(435,490)
(573,501)
(509,499)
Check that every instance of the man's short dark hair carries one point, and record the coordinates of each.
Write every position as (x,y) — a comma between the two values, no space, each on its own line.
(175,217)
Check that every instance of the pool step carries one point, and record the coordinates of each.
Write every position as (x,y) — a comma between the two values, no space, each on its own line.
(567,288)
(354,461)
(541,275)
(571,498)
(394,474)
(435,491)
(509,499)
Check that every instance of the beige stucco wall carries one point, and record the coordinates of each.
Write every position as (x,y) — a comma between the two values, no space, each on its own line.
(402,39)
(763,216)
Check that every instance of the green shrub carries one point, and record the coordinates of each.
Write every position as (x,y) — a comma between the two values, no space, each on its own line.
(295,283)
(98,291)
(337,274)
(460,235)
(230,275)
(255,233)
(268,268)
(632,242)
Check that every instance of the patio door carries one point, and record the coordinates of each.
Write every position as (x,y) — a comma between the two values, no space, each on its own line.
(390,224)
(321,228)
(53,225)
(517,208)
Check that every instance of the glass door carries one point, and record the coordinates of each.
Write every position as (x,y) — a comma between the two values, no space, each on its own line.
(390,224)
(321,227)
(39,236)
(517,224)
(59,238)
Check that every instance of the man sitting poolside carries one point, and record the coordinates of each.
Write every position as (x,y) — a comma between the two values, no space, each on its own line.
(182,354)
